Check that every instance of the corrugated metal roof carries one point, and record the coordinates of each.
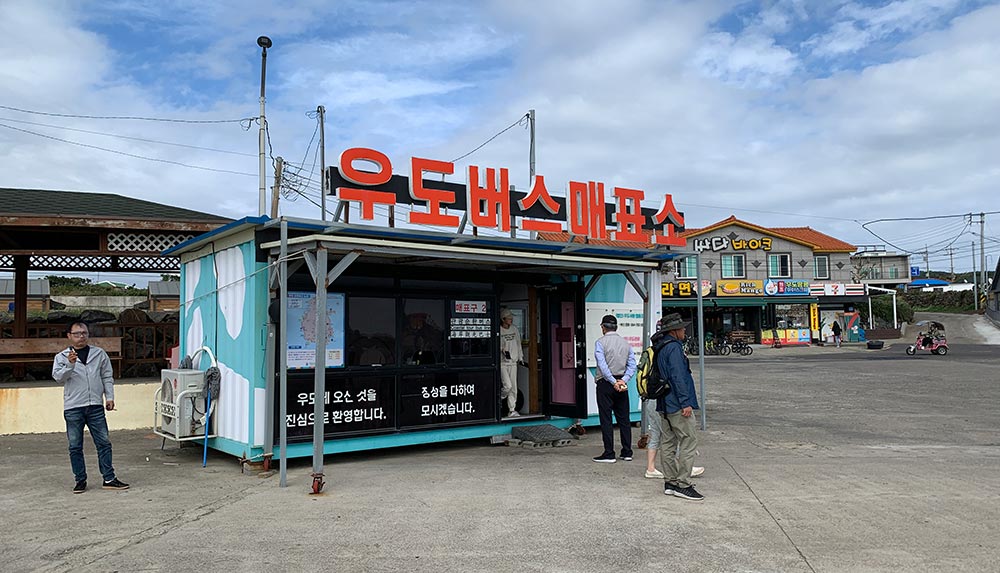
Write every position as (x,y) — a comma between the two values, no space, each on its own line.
(36,287)
(43,202)
(167,289)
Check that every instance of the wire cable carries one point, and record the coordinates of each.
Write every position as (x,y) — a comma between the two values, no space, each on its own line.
(119,136)
(523,120)
(241,120)
(126,154)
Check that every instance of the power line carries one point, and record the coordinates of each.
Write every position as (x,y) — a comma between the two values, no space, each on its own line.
(523,120)
(126,154)
(242,120)
(119,136)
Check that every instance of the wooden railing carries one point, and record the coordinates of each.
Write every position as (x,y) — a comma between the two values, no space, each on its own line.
(145,347)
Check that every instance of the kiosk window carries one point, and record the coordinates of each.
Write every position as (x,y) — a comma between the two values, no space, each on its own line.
(371,331)
(422,332)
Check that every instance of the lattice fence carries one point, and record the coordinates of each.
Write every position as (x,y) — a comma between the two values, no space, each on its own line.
(144,242)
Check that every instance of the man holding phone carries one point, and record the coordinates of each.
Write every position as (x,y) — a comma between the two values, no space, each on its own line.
(88,389)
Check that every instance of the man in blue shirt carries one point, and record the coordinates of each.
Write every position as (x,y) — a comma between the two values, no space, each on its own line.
(615,366)
(676,409)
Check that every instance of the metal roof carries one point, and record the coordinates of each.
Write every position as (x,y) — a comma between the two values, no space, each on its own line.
(75,204)
(165,289)
(36,287)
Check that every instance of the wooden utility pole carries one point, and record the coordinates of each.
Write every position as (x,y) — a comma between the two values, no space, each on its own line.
(276,190)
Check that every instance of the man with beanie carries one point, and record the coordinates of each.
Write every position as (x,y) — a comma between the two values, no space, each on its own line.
(615,365)
(677,431)
(510,355)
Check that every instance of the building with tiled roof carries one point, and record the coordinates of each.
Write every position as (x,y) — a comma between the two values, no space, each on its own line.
(762,283)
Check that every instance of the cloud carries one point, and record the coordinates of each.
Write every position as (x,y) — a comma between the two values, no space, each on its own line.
(861,25)
(832,111)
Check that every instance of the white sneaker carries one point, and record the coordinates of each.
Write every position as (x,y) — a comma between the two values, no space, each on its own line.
(697,471)
(655,474)
(513,414)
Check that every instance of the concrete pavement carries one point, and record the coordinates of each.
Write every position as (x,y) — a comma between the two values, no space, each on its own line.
(879,463)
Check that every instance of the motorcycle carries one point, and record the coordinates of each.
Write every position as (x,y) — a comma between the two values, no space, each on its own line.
(933,340)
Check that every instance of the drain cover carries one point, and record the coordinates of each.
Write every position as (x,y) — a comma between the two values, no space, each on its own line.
(540,433)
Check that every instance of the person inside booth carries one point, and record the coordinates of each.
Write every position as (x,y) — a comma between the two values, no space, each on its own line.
(422,340)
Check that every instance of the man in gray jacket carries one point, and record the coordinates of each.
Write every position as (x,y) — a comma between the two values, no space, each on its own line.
(88,388)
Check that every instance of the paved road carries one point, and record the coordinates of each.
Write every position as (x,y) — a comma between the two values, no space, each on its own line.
(839,460)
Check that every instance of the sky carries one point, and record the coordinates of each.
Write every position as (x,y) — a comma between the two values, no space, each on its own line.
(829,114)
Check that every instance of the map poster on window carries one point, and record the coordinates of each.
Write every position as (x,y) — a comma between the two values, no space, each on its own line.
(302,335)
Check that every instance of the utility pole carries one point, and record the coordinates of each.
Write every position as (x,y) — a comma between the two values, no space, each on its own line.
(982,248)
(927,264)
(276,190)
(951,258)
(975,279)
(322,162)
(531,155)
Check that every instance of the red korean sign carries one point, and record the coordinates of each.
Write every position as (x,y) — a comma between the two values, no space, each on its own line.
(491,203)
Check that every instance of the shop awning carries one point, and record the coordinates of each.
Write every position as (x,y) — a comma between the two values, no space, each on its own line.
(468,254)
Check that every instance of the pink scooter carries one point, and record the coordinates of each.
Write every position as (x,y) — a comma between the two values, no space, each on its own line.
(933,340)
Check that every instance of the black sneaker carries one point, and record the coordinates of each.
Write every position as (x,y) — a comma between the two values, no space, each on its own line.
(627,456)
(669,488)
(605,458)
(80,487)
(115,484)
(688,493)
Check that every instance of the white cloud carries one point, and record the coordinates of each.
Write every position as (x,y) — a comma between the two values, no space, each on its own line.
(653,95)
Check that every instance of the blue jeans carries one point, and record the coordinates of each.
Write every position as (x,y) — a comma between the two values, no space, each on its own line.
(93,417)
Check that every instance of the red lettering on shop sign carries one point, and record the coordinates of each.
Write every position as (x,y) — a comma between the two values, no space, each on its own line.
(598,222)
(586,209)
(434,197)
(367,197)
(670,219)
(577,212)
(539,193)
(628,216)
(489,206)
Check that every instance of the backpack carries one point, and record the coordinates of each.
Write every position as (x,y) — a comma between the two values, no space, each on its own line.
(649,383)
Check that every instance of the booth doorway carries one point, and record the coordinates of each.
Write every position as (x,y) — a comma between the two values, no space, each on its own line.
(564,360)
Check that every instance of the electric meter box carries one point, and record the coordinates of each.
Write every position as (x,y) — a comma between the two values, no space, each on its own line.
(180,404)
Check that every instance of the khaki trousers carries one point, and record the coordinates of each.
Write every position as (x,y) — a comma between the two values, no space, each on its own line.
(677,433)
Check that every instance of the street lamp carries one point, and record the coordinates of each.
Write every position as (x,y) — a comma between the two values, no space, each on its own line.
(264,42)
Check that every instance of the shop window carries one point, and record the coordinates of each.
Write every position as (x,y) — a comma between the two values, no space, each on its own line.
(371,331)
(733,266)
(422,332)
(779,266)
(821,267)
(687,268)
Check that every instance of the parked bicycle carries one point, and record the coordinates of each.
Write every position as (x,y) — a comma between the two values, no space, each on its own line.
(742,347)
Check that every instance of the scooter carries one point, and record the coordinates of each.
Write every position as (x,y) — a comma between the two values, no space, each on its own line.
(937,344)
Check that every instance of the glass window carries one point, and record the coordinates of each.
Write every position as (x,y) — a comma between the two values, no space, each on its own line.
(779,266)
(821,267)
(733,267)
(371,331)
(893,273)
(422,333)
(687,268)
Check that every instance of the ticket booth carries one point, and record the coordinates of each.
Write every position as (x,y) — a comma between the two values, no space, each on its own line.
(396,330)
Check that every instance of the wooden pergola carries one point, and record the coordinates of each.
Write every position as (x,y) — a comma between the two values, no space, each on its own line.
(60,231)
